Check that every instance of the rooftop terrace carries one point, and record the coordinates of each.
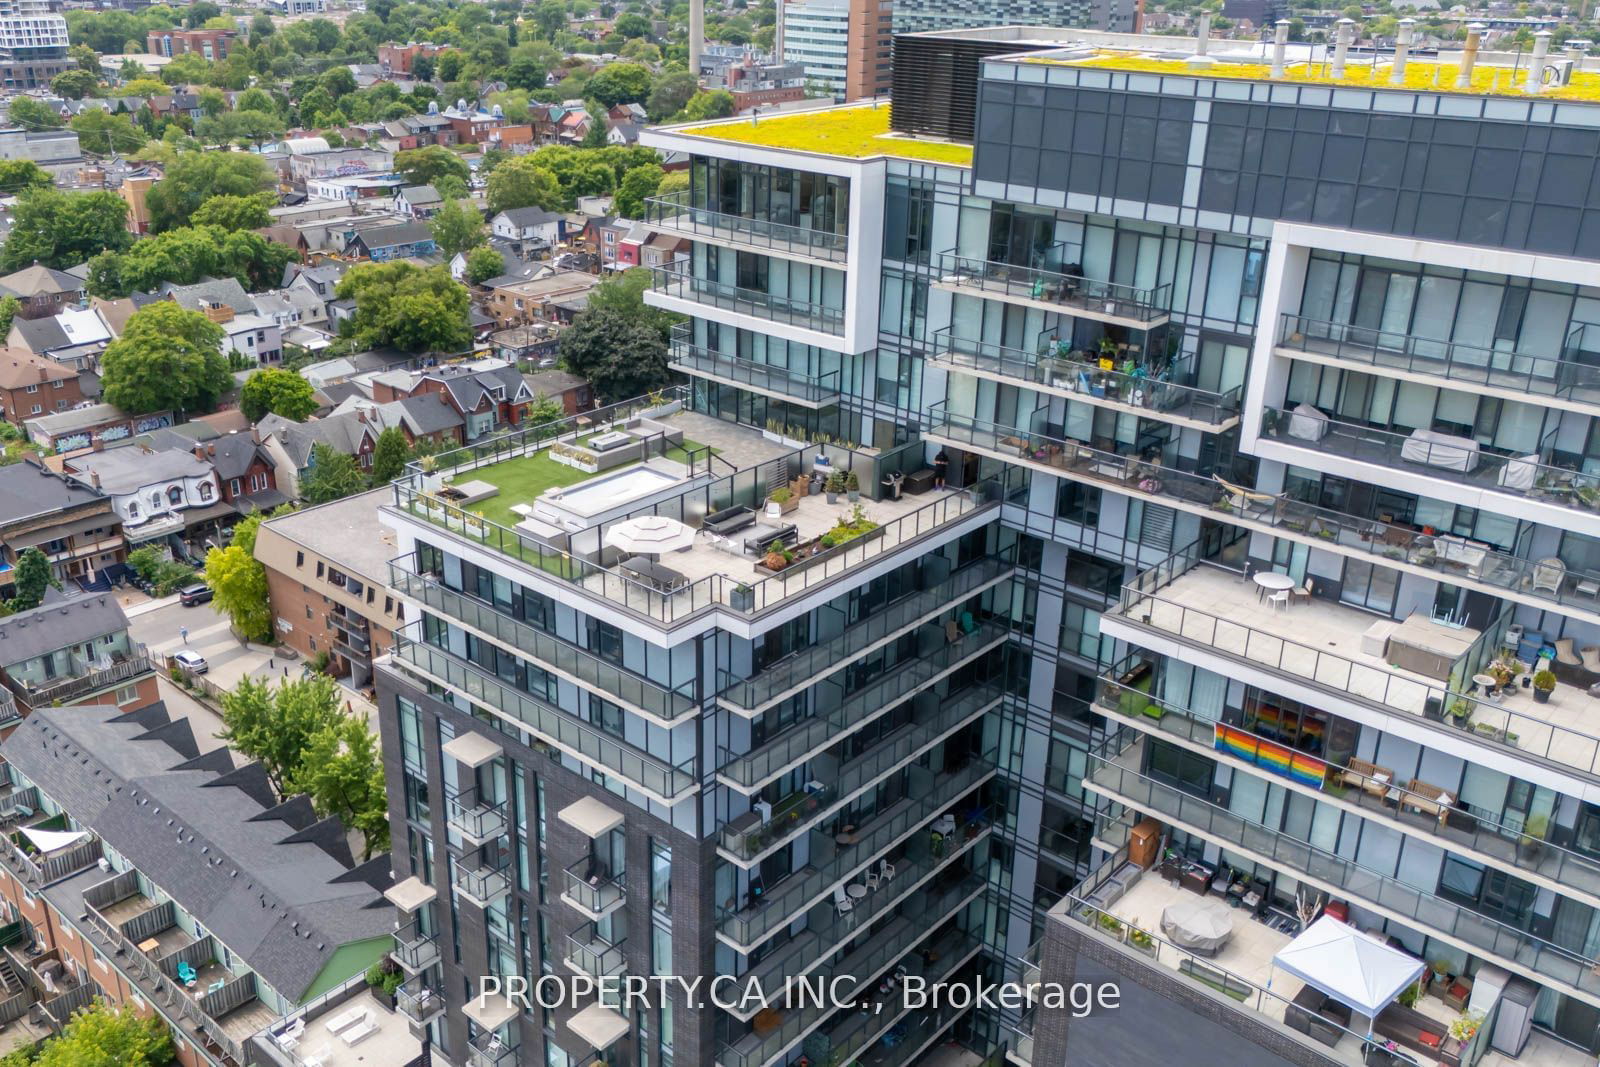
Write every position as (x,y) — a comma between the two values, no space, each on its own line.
(851,132)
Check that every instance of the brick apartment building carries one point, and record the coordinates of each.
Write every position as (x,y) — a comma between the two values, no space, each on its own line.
(33,385)
(213,44)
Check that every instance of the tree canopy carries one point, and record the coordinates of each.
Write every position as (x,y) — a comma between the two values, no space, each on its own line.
(484,263)
(274,725)
(342,771)
(167,359)
(425,166)
(332,475)
(101,1036)
(401,305)
(33,577)
(235,212)
(279,392)
(621,356)
(187,255)
(239,583)
(64,229)
(457,227)
(192,178)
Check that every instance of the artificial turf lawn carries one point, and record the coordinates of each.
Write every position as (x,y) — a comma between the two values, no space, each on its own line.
(522,479)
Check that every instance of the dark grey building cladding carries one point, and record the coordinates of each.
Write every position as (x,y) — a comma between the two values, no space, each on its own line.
(1524,185)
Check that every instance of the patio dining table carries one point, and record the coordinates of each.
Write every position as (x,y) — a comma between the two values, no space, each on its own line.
(662,579)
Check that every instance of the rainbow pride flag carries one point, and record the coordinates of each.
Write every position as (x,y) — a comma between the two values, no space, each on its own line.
(1269,755)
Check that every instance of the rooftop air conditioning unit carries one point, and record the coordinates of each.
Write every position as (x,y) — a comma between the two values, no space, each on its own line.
(1557,73)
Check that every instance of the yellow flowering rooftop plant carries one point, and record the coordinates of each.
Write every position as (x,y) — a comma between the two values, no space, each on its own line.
(856,132)
(1420,74)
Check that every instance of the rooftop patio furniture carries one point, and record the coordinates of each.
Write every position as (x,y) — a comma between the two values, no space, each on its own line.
(1426,798)
(1368,777)
(1318,1016)
(1434,449)
(1548,574)
(1569,668)
(187,974)
(1416,1031)
(729,520)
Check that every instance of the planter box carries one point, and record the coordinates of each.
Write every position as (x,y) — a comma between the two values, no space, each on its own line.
(823,556)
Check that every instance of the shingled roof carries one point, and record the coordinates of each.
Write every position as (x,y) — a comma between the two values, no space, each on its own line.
(269,880)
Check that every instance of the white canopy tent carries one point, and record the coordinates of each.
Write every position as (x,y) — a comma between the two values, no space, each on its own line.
(1349,966)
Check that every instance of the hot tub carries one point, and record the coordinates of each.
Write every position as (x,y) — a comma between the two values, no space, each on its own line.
(580,505)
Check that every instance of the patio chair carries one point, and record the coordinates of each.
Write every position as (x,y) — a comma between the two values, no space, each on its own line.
(187,974)
(1548,574)
(1304,592)
(842,902)
(886,871)
(872,881)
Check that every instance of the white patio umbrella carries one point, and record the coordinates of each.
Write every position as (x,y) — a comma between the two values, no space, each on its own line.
(650,533)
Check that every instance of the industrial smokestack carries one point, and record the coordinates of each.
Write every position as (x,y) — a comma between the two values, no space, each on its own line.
(1469,55)
(1280,43)
(1541,51)
(697,35)
(1341,47)
(1402,48)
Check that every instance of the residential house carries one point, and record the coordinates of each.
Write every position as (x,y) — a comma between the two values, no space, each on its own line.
(175,105)
(292,306)
(430,418)
(83,427)
(398,58)
(256,339)
(246,471)
(521,302)
(528,227)
(392,241)
(42,291)
(320,281)
(291,444)
(71,652)
(208,293)
(510,262)
(623,133)
(155,494)
(489,394)
(32,385)
(603,235)
(355,188)
(473,126)
(74,337)
(418,201)
(135,191)
(432,128)
(74,525)
(663,249)
(328,577)
(523,345)
(572,391)
(139,833)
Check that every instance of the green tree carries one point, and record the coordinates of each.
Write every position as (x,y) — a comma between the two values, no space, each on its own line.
(457,227)
(239,583)
(484,263)
(63,229)
(33,578)
(670,93)
(708,104)
(74,84)
(20,176)
(674,181)
(521,182)
(274,726)
(200,13)
(389,455)
(632,24)
(332,475)
(595,135)
(551,18)
(342,772)
(279,392)
(167,359)
(106,134)
(637,184)
(192,178)
(102,1036)
(31,114)
(425,166)
(620,356)
(447,65)
(9,306)
(408,307)
(422,68)
(624,294)
(620,83)
(338,81)
(235,212)
(256,100)
(86,58)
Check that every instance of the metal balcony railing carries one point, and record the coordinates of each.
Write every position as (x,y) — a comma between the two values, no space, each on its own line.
(474,816)
(592,954)
(593,889)
(774,307)
(814,390)
(413,949)
(1075,294)
(482,883)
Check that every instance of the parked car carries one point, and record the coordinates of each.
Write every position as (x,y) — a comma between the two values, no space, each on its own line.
(191,595)
(191,661)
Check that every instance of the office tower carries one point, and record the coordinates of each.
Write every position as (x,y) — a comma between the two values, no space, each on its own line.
(33,43)
(843,46)
(1263,416)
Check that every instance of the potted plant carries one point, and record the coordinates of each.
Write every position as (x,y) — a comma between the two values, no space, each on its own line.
(834,486)
(742,597)
(1459,711)
(784,498)
(1141,940)
(1466,1025)
(852,487)
(1544,682)
(1111,925)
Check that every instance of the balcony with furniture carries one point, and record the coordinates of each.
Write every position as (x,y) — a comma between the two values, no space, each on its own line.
(592,889)
(349,1026)
(415,950)
(1066,291)
(417,999)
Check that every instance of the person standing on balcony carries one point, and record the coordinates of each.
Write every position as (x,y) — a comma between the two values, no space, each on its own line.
(941,464)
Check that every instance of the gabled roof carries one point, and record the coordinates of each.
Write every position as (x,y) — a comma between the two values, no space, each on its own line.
(19,369)
(28,491)
(29,634)
(342,433)
(522,217)
(40,335)
(127,470)
(233,453)
(271,881)
(417,195)
(211,291)
(40,281)
(395,234)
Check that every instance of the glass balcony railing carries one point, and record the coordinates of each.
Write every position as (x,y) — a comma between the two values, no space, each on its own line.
(809,390)
(482,883)
(1505,370)
(1461,828)
(475,817)
(676,212)
(1075,294)
(811,884)
(491,1050)
(1423,907)
(592,954)
(413,949)
(419,1001)
(545,648)
(1454,459)
(592,889)
(811,664)
(1378,687)
(871,958)
(774,307)
(1059,370)
(608,752)
(753,769)
(797,812)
